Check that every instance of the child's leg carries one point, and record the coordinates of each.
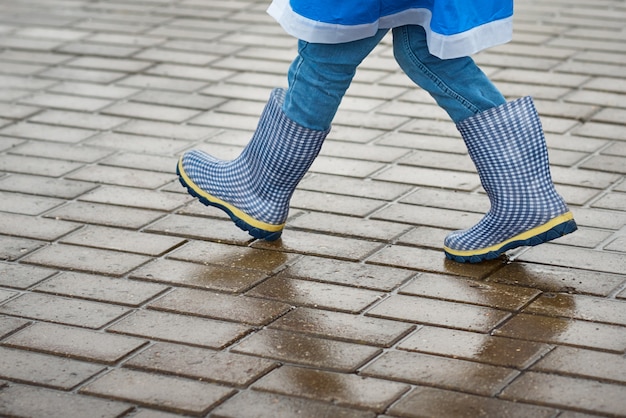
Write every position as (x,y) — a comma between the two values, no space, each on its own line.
(255,188)
(319,78)
(458,85)
(505,142)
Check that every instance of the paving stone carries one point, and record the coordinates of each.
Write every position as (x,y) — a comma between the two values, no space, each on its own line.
(224,279)
(122,240)
(427,216)
(430,402)
(343,205)
(423,236)
(234,256)
(63,101)
(321,245)
(441,372)
(430,177)
(121,176)
(201,364)
(34,227)
(84,75)
(472,346)
(26,204)
(74,342)
(220,306)
(353,187)
(430,261)
(142,162)
(585,334)
(104,214)
(112,64)
(139,144)
(78,119)
(346,273)
(63,310)
(439,312)
(163,392)
(577,258)
(9,325)
(101,288)
(447,199)
(143,199)
(348,226)
(90,260)
(48,132)
(150,111)
(16,111)
(558,279)
(255,404)
(44,186)
(30,401)
(21,276)
(36,166)
(314,294)
(162,83)
(580,307)
(197,331)
(45,370)
(306,350)
(12,248)
(475,292)
(341,326)
(584,363)
(6,295)
(93,90)
(61,151)
(566,392)
(341,389)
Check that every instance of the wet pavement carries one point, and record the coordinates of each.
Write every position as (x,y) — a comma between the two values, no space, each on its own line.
(121,296)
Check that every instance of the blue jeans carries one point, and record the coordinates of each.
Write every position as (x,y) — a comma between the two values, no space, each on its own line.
(321,74)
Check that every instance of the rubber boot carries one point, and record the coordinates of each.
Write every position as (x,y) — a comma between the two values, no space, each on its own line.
(508,147)
(256,187)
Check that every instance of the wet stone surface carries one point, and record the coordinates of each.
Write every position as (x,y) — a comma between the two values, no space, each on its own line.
(123,296)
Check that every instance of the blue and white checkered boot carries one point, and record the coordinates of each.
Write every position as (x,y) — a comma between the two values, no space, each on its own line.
(256,187)
(508,148)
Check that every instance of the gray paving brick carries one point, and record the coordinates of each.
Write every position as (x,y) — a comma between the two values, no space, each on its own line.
(105,214)
(100,288)
(46,370)
(22,400)
(441,372)
(85,259)
(200,363)
(250,404)
(568,392)
(34,227)
(25,204)
(74,342)
(47,132)
(306,350)
(165,392)
(170,327)
(140,198)
(219,306)
(431,402)
(12,248)
(372,394)
(63,151)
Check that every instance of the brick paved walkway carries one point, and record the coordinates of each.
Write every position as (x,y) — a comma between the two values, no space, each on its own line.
(120,296)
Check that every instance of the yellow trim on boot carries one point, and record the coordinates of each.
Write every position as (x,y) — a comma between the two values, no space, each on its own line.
(568,216)
(234,211)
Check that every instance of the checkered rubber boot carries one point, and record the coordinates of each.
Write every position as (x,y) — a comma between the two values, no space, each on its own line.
(508,148)
(256,187)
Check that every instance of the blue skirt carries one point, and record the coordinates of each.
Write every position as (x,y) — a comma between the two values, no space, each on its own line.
(454,28)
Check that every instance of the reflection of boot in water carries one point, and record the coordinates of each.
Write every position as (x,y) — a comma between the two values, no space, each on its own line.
(256,187)
(508,148)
